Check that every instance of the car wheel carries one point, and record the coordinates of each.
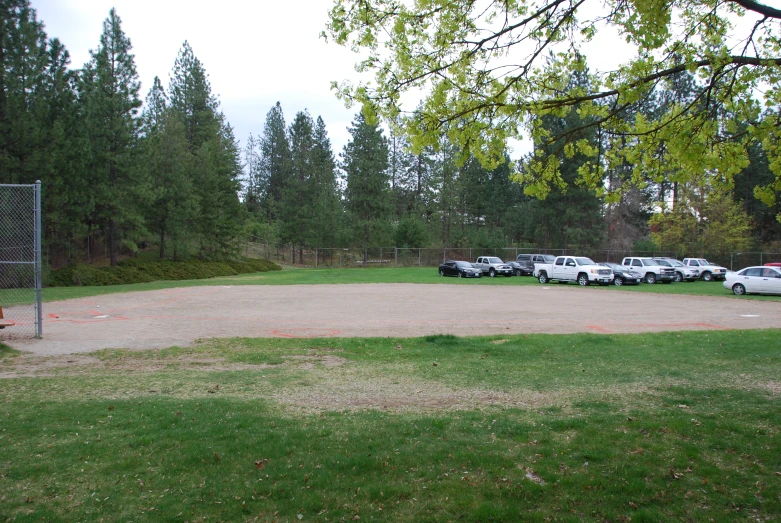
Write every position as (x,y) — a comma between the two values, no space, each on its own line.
(618,282)
(707,276)
(738,289)
(543,278)
(678,277)
(650,278)
(492,273)
(517,272)
(582,280)
(441,272)
(460,274)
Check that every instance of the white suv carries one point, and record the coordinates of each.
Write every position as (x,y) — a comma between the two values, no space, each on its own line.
(708,271)
(651,270)
(682,272)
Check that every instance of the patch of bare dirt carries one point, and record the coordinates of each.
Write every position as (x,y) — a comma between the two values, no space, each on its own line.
(774,387)
(309,362)
(179,317)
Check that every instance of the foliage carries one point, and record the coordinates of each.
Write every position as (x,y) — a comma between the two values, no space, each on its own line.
(367,194)
(718,226)
(137,271)
(490,71)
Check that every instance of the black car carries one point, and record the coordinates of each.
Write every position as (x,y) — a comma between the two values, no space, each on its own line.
(623,275)
(519,269)
(527,261)
(461,269)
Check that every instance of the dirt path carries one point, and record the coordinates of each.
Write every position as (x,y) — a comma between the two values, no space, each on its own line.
(157,319)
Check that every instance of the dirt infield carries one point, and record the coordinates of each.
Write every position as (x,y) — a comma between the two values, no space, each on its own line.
(178,317)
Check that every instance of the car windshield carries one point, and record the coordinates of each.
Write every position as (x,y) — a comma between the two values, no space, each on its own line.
(585,261)
(650,263)
(703,261)
(463,264)
(495,260)
(549,258)
(665,263)
(675,263)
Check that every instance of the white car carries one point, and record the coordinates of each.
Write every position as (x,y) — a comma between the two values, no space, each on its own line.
(756,280)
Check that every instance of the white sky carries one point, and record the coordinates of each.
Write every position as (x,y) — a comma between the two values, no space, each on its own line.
(255,52)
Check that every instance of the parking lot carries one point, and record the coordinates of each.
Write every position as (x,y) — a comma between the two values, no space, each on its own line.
(164,318)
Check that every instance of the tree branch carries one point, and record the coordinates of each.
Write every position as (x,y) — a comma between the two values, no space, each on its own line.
(770,12)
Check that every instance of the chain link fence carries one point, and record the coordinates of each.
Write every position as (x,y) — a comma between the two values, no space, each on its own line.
(20,261)
(431,257)
(414,257)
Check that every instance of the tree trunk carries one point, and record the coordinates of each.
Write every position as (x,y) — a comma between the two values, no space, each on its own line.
(112,243)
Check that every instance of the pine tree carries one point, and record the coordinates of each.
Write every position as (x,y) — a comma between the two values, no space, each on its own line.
(190,95)
(168,161)
(365,163)
(216,172)
(110,85)
(298,193)
(23,65)
(274,159)
(254,189)
(327,206)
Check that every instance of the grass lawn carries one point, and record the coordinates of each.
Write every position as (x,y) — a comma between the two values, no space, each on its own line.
(371,275)
(683,426)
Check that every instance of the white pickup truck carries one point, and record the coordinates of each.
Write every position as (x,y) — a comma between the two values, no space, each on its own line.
(573,268)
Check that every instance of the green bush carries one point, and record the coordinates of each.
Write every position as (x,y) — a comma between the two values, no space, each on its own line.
(134,270)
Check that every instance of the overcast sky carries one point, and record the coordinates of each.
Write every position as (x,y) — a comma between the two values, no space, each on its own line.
(256,52)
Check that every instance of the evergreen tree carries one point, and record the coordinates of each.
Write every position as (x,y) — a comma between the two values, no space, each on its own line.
(327,207)
(110,87)
(23,67)
(254,189)
(296,207)
(168,161)
(190,95)
(274,159)
(216,172)
(367,196)
(570,215)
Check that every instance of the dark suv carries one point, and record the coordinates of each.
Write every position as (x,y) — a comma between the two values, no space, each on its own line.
(527,262)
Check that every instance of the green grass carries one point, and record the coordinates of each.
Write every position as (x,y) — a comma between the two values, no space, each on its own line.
(377,275)
(671,426)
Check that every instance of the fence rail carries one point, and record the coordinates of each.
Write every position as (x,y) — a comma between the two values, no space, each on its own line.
(431,257)
(20,261)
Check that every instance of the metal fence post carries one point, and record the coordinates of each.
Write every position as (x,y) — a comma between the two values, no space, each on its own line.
(396,256)
(38,263)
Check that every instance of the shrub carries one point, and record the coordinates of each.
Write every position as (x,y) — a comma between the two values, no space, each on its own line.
(134,270)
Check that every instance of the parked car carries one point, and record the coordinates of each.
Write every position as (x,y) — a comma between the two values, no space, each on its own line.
(527,261)
(491,265)
(650,269)
(461,269)
(623,275)
(682,272)
(518,269)
(756,280)
(573,268)
(708,271)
